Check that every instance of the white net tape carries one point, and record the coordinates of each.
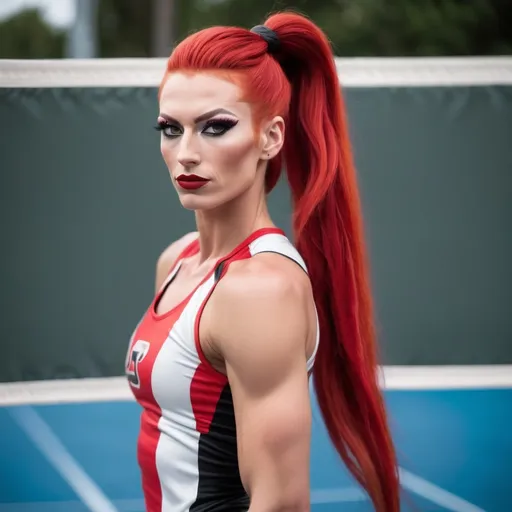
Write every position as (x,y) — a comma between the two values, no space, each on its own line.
(392,378)
(353,72)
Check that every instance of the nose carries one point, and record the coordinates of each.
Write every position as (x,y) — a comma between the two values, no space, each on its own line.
(188,156)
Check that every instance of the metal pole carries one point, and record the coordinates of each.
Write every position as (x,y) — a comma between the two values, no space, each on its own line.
(82,41)
(163,27)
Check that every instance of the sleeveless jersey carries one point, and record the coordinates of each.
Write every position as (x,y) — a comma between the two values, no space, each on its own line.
(187,445)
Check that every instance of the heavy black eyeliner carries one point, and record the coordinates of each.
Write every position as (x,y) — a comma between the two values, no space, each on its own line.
(226,123)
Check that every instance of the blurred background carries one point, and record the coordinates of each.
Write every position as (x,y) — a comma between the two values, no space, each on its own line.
(86,207)
(42,29)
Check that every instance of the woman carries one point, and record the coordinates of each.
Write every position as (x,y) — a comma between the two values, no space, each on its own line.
(240,315)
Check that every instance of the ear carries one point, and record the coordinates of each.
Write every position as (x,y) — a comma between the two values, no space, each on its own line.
(272,138)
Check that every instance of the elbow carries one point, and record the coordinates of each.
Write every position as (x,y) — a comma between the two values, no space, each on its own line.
(292,505)
(296,503)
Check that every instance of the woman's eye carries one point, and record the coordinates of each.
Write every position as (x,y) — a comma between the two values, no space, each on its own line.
(167,129)
(216,128)
(213,128)
(171,130)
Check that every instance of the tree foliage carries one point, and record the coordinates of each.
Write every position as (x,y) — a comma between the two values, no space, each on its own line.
(355,27)
(27,36)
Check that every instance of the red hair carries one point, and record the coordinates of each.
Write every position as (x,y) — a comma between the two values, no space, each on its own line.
(301,83)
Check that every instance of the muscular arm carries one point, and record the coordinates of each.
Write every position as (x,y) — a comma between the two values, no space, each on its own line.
(261,332)
(168,257)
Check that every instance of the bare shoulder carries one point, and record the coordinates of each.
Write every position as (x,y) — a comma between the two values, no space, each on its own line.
(266,278)
(169,255)
(267,275)
(263,314)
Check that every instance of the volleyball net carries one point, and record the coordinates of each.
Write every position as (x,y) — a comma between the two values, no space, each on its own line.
(87,206)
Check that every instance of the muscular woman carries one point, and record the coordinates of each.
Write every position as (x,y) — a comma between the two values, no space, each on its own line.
(242,316)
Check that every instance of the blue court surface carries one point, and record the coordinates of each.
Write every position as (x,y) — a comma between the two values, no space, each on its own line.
(454,445)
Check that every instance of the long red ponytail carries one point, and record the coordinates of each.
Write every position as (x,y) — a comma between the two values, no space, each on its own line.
(329,236)
(301,83)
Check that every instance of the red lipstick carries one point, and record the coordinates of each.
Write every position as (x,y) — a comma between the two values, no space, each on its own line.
(191,181)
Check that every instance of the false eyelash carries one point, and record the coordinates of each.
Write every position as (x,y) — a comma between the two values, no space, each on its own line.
(161,125)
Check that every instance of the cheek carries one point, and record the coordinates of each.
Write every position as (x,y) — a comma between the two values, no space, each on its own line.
(167,152)
(236,156)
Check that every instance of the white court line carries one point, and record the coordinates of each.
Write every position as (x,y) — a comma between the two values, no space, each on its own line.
(49,444)
(409,481)
(435,494)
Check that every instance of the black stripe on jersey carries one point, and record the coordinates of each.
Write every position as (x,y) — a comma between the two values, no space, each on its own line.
(220,488)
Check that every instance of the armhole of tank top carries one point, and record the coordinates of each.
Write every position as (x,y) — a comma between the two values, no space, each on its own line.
(218,272)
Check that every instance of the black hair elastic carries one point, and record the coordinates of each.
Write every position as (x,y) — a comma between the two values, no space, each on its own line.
(271,38)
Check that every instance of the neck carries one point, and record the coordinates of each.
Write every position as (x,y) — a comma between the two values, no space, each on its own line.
(222,229)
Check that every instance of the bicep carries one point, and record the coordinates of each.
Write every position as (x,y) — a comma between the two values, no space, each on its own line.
(263,345)
(273,429)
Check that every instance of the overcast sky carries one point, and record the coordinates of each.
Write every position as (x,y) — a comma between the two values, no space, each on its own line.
(59,13)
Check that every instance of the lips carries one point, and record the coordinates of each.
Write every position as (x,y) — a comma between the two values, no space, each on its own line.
(191,181)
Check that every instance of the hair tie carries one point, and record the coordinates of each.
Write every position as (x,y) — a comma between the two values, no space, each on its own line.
(271,38)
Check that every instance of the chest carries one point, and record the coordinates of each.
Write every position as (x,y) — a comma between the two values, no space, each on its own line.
(164,358)
(179,287)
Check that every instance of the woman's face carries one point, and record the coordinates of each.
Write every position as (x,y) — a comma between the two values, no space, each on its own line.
(208,140)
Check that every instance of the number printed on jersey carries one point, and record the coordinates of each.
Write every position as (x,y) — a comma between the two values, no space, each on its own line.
(135,356)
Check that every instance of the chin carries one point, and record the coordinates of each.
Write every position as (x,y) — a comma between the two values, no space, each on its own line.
(195,202)
(207,200)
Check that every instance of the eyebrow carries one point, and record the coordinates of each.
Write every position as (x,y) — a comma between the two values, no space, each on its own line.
(202,117)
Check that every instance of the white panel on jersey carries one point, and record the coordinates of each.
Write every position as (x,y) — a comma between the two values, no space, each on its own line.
(173,371)
(275,242)
(311,360)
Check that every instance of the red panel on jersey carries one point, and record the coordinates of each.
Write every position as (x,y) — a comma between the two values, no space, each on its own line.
(205,391)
